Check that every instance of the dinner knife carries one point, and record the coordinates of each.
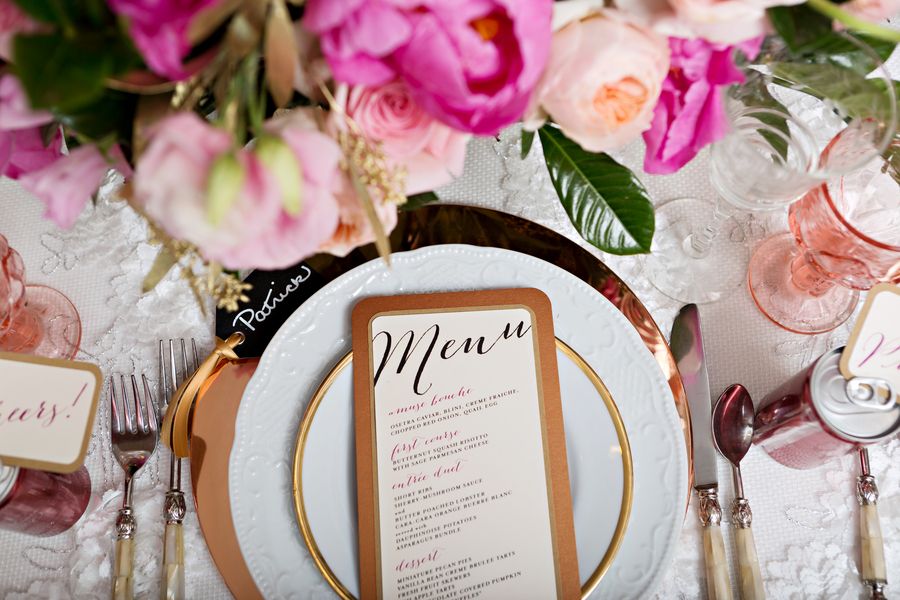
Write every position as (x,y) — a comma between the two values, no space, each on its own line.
(687,347)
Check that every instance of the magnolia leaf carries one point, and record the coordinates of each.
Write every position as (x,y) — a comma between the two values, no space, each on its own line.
(163,263)
(210,19)
(527,141)
(419,200)
(281,54)
(362,192)
(604,200)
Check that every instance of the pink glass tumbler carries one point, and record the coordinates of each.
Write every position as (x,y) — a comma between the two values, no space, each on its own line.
(34,319)
(40,503)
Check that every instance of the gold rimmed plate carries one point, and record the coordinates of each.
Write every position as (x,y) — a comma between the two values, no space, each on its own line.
(601,475)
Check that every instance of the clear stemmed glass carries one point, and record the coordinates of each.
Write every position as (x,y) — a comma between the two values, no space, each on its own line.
(34,319)
(770,158)
(845,237)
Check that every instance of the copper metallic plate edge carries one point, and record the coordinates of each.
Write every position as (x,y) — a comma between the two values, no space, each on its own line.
(627,471)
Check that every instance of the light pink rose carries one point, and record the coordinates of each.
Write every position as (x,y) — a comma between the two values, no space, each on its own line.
(255,231)
(354,227)
(718,21)
(12,21)
(159,29)
(602,81)
(470,63)
(15,110)
(871,10)
(432,153)
(68,183)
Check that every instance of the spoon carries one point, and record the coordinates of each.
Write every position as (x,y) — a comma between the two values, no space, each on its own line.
(732,425)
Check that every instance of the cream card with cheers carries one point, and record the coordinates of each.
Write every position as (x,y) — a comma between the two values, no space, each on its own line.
(463,486)
(873,350)
(47,409)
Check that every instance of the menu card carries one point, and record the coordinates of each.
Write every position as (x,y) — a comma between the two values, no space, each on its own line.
(463,487)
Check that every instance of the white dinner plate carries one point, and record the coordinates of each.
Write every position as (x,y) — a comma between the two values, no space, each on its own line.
(310,342)
(600,473)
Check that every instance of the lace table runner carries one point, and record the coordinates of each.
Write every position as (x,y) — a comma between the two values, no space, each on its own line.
(805,521)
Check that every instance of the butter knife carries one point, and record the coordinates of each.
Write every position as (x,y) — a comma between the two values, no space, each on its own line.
(687,347)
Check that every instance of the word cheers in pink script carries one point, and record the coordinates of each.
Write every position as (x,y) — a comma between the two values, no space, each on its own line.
(47,410)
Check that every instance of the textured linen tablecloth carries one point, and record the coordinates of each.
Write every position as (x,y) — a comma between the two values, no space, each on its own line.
(804,521)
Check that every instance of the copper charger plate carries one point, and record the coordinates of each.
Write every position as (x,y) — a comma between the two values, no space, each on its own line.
(213,421)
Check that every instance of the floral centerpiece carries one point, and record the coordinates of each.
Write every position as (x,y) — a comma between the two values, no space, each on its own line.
(254,133)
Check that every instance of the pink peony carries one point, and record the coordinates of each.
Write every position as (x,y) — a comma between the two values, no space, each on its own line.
(432,153)
(691,109)
(24,150)
(159,29)
(602,81)
(472,63)
(68,183)
(174,183)
(12,21)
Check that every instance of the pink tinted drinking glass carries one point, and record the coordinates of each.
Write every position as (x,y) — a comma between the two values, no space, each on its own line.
(34,319)
(845,237)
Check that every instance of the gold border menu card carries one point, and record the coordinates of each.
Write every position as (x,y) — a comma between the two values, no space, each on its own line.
(463,489)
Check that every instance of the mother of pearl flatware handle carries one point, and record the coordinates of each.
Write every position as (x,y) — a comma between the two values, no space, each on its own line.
(718,584)
(123,565)
(873,568)
(751,585)
(172,584)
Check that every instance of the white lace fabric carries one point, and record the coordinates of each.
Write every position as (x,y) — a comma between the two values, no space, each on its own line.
(804,521)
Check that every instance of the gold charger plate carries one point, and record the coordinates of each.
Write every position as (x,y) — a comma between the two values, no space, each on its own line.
(427,226)
(627,473)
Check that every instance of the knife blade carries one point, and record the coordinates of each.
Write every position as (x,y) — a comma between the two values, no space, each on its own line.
(686,342)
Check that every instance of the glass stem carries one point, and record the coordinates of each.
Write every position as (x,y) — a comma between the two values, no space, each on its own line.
(699,242)
(807,278)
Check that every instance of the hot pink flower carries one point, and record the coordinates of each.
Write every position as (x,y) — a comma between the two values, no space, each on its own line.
(68,183)
(24,150)
(159,29)
(12,21)
(432,153)
(691,111)
(472,63)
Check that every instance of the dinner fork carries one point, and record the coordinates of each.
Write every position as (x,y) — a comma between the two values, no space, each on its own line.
(134,435)
(174,509)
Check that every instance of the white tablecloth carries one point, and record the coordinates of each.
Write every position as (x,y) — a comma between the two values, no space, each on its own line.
(805,521)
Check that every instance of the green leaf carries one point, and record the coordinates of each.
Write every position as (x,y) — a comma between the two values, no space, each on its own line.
(527,140)
(108,119)
(419,200)
(69,14)
(853,94)
(65,73)
(604,200)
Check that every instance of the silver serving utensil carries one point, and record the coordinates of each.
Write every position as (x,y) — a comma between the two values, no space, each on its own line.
(134,435)
(174,508)
(874,569)
(687,347)
(732,425)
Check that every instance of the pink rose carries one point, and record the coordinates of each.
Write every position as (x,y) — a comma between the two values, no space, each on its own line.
(12,21)
(471,63)
(432,153)
(15,110)
(354,227)
(691,109)
(239,215)
(68,183)
(602,81)
(719,21)
(159,29)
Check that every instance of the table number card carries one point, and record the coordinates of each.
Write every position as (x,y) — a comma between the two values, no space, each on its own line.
(463,487)
(47,409)
(873,349)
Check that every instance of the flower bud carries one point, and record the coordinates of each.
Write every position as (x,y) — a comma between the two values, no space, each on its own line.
(278,158)
(224,183)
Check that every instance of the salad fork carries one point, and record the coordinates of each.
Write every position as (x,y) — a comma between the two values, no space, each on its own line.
(134,433)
